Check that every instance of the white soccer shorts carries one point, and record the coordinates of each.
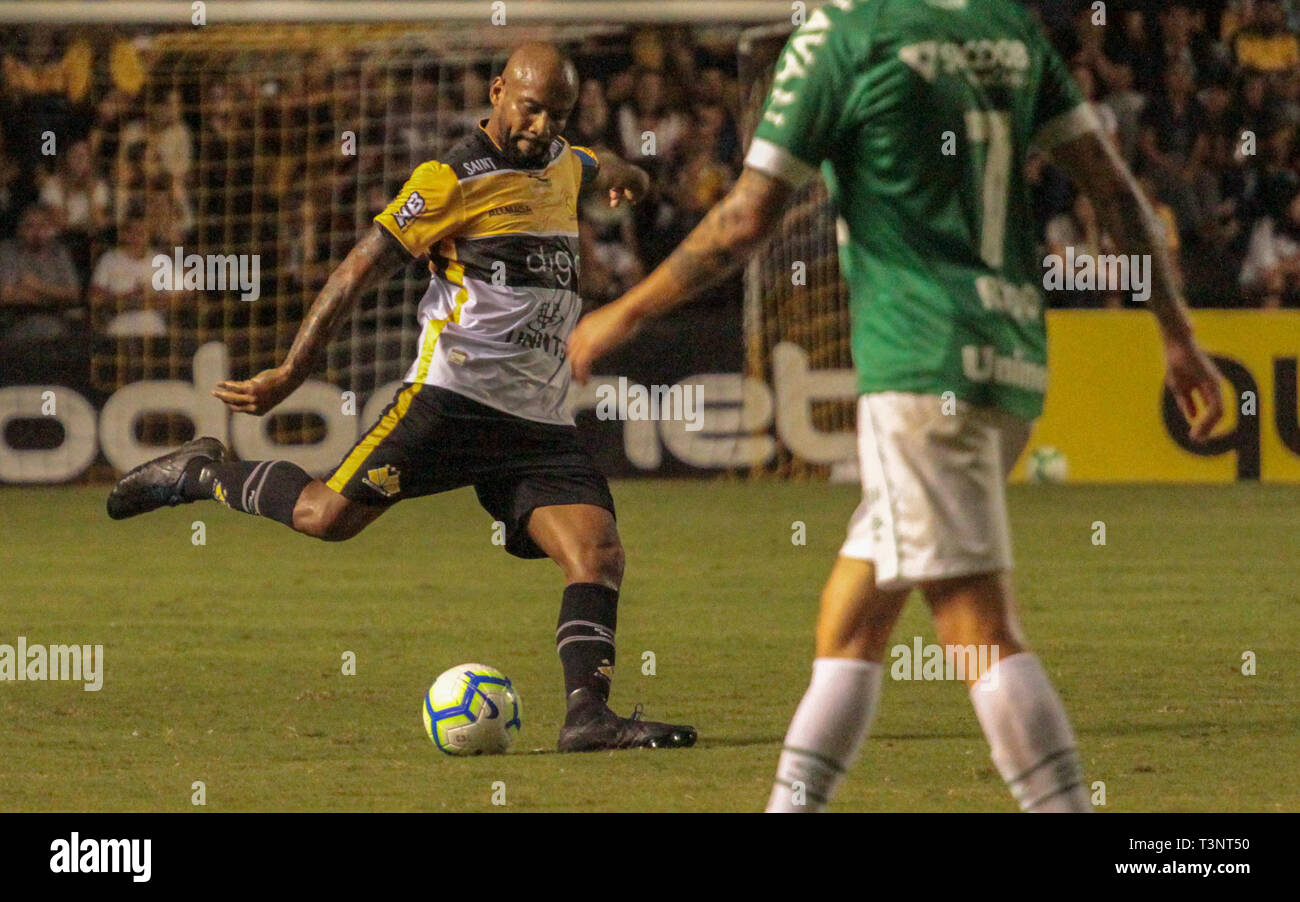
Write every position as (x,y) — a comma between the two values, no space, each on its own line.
(933,487)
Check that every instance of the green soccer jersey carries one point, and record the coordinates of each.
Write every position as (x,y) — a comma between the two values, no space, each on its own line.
(921,113)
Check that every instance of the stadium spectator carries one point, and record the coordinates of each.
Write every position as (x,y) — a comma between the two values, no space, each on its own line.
(11,189)
(712,109)
(45,89)
(123,302)
(1180,40)
(308,261)
(649,131)
(171,146)
(1127,104)
(1105,114)
(1071,236)
(1270,273)
(611,260)
(1172,147)
(77,195)
(167,208)
(1211,124)
(591,122)
(1132,45)
(1264,44)
(38,281)
(129,181)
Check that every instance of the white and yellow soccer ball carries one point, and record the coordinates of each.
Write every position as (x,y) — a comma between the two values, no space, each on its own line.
(1047,464)
(472,709)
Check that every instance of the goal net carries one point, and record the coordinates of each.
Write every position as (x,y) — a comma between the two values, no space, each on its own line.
(794,296)
(304,133)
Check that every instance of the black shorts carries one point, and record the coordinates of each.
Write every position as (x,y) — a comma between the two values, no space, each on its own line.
(431,440)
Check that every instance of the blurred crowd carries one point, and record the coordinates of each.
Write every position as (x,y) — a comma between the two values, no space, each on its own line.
(104,162)
(1204,105)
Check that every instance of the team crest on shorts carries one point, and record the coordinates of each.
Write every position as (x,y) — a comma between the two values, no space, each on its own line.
(384,480)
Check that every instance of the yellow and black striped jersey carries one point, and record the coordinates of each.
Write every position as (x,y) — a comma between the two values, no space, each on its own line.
(502,243)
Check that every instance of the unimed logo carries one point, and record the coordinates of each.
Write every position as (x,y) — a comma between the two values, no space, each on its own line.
(103,856)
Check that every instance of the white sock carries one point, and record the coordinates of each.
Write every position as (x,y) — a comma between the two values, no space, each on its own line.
(825,734)
(1029,735)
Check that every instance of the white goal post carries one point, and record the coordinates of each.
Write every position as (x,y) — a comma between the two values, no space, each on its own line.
(179,12)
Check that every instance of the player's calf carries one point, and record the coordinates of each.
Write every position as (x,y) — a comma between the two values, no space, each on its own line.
(322,513)
(1022,717)
(976,611)
(836,712)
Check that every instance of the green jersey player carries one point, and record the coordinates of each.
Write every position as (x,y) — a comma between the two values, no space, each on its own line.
(920,114)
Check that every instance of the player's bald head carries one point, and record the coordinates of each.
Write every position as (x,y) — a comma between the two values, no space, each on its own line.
(543,68)
(531,100)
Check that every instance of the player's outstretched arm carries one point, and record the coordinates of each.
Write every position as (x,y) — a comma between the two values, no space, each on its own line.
(1099,171)
(375,257)
(735,228)
(621,180)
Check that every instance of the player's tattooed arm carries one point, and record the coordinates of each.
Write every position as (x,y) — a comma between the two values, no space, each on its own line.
(375,257)
(737,226)
(1126,215)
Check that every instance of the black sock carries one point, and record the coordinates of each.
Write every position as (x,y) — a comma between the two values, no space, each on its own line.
(268,488)
(585,637)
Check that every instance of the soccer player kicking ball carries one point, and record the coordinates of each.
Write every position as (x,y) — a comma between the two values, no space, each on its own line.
(484,402)
(939,254)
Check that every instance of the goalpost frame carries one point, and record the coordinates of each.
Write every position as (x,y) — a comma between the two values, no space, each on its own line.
(216,12)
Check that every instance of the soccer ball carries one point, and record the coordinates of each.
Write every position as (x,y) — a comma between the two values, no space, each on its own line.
(472,710)
(1046,464)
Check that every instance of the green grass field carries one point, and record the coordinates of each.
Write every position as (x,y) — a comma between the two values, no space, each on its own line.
(223,661)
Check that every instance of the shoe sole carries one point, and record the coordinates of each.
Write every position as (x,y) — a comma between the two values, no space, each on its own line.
(675,740)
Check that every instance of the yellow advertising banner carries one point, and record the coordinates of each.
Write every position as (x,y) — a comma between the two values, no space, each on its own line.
(1108,414)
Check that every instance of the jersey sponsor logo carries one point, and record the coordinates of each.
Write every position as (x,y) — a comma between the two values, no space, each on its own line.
(557,263)
(479,166)
(985,62)
(982,363)
(1023,303)
(510,209)
(385,480)
(412,208)
(522,261)
(540,332)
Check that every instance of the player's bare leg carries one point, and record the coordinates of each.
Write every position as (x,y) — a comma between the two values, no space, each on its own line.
(1019,711)
(276,489)
(323,513)
(853,627)
(583,540)
(856,618)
